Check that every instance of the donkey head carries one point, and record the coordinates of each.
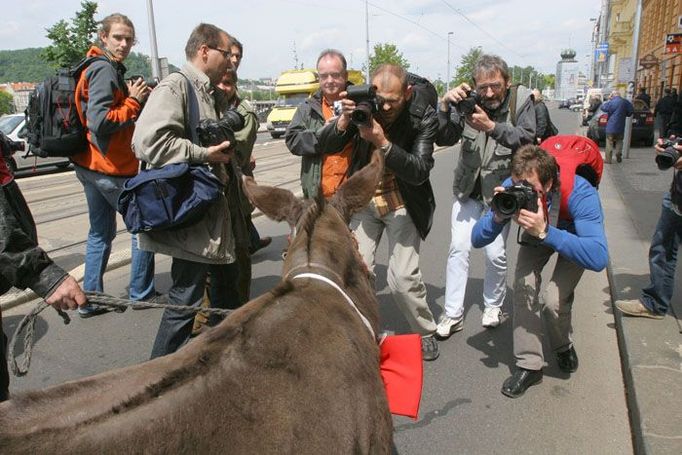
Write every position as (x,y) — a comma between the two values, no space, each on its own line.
(321,234)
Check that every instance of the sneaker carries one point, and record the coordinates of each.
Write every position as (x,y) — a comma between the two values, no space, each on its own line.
(157,297)
(447,326)
(89,310)
(491,317)
(637,309)
(429,348)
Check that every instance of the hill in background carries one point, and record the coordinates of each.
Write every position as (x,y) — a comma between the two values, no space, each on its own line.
(27,65)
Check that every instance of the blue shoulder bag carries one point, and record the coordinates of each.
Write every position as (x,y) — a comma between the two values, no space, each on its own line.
(173,196)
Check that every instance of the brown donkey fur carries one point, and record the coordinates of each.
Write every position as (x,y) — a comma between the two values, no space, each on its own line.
(293,371)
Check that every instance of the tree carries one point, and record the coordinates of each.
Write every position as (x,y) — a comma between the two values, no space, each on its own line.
(465,71)
(6,103)
(70,42)
(386,53)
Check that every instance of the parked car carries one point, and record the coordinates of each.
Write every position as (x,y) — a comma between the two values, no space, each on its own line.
(642,125)
(565,104)
(14,126)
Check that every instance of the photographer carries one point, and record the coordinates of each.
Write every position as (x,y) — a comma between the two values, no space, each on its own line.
(162,137)
(581,243)
(493,122)
(108,107)
(655,299)
(386,116)
(325,157)
(23,264)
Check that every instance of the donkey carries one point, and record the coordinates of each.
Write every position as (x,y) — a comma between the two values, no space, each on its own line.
(294,371)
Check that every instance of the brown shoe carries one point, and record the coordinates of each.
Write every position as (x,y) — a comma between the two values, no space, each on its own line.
(637,309)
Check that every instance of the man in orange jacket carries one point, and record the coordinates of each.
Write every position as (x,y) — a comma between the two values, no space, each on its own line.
(108,108)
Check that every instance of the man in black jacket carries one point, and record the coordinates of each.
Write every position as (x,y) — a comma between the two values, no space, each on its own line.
(664,110)
(23,264)
(403,205)
(544,127)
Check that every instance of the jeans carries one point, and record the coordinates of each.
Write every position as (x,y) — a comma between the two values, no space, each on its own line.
(189,283)
(464,217)
(102,192)
(663,259)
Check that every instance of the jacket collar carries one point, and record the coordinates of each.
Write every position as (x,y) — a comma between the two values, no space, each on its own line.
(198,78)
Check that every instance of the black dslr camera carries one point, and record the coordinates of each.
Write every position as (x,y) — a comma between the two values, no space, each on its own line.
(365,103)
(9,146)
(151,83)
(214,132)
(667,158)
(510,202)
(467,106)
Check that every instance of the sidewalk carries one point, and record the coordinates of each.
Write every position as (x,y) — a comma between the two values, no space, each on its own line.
(651,350)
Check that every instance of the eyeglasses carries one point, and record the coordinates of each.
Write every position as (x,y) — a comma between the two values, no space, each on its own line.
(226,54)
(496,87)
(324,76)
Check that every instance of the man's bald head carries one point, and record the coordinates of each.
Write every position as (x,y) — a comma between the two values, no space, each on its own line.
(385,72)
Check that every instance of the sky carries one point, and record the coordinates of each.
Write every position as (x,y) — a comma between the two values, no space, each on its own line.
(277,33)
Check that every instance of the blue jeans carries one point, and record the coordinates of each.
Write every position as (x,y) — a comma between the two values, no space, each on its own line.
(663,259)
(102,192)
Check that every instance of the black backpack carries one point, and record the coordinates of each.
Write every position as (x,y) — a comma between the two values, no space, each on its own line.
(52,122)
(424,93)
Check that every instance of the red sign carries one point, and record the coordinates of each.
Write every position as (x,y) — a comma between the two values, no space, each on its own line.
(673,43)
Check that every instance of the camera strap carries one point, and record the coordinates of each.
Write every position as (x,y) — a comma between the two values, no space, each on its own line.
(192,111)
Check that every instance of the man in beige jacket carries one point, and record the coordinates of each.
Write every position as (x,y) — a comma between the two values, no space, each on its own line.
(160,138)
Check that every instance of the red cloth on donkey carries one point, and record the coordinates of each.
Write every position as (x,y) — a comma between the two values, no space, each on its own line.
(402,373)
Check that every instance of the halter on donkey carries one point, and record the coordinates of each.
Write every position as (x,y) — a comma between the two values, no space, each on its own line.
(294,371)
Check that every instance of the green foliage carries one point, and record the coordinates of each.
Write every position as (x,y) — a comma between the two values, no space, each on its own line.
(6,103)
(464,72)
(440,87)
(24,65)
(71,41)
(386,53)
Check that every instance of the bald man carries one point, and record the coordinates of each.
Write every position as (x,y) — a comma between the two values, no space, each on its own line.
(404,130)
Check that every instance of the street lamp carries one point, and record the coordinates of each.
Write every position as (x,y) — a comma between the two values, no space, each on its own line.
(447,81)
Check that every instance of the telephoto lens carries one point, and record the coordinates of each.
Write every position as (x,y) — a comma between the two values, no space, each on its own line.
(667,158)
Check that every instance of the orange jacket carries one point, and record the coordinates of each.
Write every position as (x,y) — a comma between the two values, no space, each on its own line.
(108,114)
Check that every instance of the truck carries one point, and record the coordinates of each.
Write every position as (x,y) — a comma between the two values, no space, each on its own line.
(293,87)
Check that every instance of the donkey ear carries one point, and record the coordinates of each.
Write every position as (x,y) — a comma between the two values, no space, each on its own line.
(357,191)
(276,203)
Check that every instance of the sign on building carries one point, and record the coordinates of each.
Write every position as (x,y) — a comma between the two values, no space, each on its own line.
(673,43)
(601,52)
(625,70)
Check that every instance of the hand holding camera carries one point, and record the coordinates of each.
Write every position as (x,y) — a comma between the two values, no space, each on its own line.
(139,87)
(218,135)
(524,204)
(668,152)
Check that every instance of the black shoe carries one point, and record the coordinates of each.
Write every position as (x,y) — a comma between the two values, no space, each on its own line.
(517,384)
(567,360)
(262,243)
(156,298)
(619,158)
(429,348)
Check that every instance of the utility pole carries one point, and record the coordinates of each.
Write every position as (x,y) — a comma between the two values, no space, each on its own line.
(367,38)
(627,134)
(156,68)
(447,82)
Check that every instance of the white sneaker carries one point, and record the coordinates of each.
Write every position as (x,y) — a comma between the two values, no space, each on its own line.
(447,326)
(491,317)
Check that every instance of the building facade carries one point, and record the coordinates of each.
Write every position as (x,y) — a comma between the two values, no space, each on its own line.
(567,76)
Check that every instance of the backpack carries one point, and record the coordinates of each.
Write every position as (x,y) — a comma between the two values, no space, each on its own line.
(53,125)
(424,93)
(575,155)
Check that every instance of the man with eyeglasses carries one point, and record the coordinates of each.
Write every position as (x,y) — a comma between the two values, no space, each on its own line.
(501,121)
(163,137)
(323,168)
(404,129)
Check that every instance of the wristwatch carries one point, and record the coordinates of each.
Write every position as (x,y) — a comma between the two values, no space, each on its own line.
(543,235)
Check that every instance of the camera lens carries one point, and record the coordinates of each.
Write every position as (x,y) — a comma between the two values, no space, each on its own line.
(505,204)
(667,158)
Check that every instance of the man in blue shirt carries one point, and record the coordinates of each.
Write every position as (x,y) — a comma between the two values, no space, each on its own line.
(581,243)
(617,109)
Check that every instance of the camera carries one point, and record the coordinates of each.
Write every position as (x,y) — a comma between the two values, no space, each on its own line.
(365,103)
(337,108)
(214,132)
(509,202)
(467,106)
(9,146)
(151,83)
(667,158)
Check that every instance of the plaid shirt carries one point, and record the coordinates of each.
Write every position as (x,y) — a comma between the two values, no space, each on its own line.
(387,197)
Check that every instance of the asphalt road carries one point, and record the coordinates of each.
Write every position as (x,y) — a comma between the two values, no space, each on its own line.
(462,409)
